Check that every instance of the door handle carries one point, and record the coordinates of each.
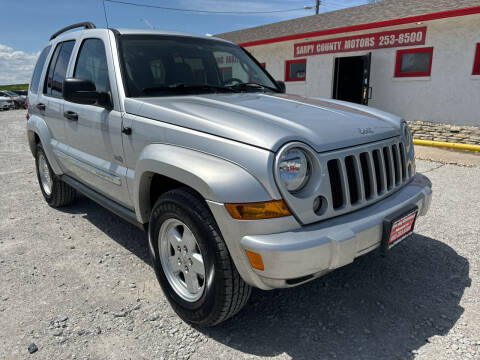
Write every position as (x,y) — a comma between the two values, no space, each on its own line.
(71,115)
(41,106)
(127,130)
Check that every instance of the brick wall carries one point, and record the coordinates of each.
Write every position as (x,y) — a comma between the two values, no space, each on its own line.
(443,132)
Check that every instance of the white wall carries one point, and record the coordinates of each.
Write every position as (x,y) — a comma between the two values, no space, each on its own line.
(450,95)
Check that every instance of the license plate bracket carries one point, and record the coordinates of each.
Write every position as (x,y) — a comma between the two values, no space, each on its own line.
(398,226)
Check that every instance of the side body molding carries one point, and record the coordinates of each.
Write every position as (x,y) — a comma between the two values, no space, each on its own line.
(36,125)
(214,178)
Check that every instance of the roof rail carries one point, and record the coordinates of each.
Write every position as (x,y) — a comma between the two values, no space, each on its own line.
(85,25)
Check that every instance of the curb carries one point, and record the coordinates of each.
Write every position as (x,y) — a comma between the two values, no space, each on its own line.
(443,144)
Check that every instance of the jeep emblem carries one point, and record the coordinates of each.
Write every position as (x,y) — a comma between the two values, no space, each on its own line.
(366,131)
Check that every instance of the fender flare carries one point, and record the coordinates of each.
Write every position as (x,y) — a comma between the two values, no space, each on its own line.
(214,178)
(38,126)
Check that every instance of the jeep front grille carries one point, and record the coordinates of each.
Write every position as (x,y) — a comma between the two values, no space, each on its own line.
(350,178)
(363,176)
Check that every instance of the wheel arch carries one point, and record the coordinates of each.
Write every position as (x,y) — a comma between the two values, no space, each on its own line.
(162,167)
(37,131)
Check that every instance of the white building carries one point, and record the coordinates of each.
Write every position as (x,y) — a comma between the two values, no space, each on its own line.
(416,58)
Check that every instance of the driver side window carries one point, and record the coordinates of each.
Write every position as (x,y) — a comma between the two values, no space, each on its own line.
(92,64)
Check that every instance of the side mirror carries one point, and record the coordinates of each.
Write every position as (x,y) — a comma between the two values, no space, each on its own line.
(281,85)
(83,91)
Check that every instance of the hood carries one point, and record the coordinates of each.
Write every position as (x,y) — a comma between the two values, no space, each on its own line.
(271,120)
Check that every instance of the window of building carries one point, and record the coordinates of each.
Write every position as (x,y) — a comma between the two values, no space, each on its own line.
(296,70)
(414,62)
(38,70)
(57,69)
(226,72)
(92,64)
(476,61)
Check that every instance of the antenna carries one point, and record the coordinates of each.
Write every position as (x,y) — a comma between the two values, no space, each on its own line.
(147,23)
(105,12)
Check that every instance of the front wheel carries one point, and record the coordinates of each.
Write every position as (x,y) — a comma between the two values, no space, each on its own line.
(192,262)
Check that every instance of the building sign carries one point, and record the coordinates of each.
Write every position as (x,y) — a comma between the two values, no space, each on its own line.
(380,40)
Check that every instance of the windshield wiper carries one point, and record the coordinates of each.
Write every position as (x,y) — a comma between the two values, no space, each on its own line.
(185,87)
(251,85)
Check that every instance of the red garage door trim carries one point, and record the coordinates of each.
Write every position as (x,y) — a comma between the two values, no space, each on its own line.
(373,25)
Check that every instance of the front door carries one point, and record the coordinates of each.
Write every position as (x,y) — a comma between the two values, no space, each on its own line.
(352,79)
(94,132)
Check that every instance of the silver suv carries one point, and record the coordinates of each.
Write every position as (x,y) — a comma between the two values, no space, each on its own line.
(236,183)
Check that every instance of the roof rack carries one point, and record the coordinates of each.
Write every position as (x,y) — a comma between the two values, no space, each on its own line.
(85,25)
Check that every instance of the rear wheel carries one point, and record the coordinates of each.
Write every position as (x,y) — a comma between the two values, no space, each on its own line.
(192,262)
(54,190)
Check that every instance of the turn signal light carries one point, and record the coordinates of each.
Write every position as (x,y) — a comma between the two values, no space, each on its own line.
(255,260)
(258,210)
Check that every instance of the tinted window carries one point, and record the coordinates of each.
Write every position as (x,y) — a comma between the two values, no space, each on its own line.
(58,68)
(61,68)
(154,64)
(37,72)
(47,88)
(415,62)
(92,64)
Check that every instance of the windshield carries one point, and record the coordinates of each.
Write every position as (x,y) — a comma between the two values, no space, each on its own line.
(11,93)
(158,65)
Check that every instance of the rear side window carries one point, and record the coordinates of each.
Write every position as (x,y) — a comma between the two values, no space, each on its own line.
(37,72)
(92,64)
(57,69)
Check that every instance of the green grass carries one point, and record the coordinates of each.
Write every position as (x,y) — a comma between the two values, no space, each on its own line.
(14,87)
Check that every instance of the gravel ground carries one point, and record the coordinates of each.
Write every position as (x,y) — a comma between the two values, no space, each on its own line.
(77,283)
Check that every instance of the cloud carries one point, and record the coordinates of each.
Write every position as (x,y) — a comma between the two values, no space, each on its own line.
(16,66)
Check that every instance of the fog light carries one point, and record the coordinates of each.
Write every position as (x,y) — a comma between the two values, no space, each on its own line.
(319,205)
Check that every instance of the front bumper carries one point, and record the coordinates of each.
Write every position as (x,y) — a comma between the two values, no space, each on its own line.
(295,256)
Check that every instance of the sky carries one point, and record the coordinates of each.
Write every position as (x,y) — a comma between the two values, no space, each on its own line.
(26,25)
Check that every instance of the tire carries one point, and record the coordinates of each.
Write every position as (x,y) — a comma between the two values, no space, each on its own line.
(58,193)
(224,292)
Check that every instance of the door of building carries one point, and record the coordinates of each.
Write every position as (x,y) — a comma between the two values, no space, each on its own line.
(352,79)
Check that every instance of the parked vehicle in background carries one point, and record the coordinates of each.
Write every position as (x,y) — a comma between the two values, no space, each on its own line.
(21,92)
(6,103)
(18,100)
(238,184)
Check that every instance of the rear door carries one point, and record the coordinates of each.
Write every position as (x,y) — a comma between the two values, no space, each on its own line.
(94,137)
(49,102)
(34,90)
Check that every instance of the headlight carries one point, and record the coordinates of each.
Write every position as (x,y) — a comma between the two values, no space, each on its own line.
(294,169)
(407,134)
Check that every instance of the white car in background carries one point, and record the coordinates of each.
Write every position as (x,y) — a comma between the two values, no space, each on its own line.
(6,103)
